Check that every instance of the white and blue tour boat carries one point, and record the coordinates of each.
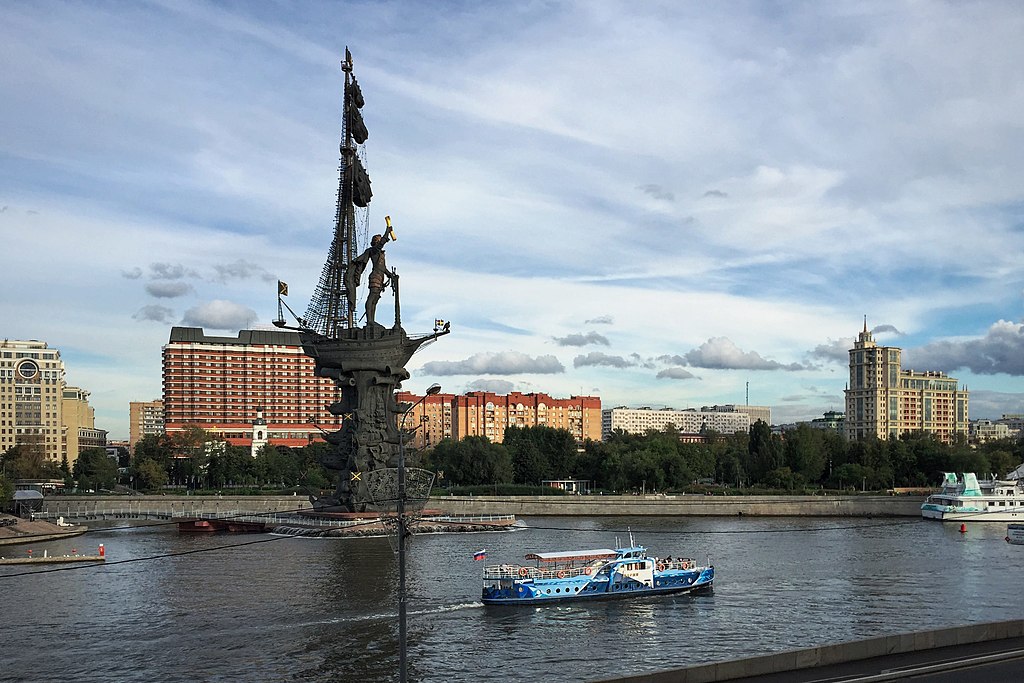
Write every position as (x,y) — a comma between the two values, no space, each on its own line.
(593,574)
(965,499)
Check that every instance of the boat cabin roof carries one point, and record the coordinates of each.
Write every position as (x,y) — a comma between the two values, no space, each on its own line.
(574,555)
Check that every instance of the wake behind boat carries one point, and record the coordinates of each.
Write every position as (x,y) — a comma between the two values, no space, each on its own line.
(965,499)
(592,574)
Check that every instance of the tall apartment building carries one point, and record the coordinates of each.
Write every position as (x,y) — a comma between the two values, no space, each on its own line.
(690,421)
(432,418)
(763,413)
(479,413)
(221,383)
(78,420)
(144,418)
(884,400)
(31,393)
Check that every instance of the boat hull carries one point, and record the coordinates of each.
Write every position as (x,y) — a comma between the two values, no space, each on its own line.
(951,514)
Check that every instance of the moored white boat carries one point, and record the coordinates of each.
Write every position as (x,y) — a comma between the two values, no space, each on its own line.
(1015,534)
(965,499)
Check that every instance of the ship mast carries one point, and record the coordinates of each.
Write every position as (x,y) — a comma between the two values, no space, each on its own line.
(332,309)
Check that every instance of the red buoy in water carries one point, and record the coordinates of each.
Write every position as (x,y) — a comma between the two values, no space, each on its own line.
(963,528)
(101,550)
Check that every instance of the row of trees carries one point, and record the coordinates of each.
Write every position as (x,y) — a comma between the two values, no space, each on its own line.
(194,459)
(657,461)
(803,459)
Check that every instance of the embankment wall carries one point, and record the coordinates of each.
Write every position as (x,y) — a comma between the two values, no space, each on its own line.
(686,505)
(654,505)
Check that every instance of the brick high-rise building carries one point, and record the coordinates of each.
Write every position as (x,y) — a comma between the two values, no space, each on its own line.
(432,418)
(884,400)
(221,383)
(31,396)
(479,413)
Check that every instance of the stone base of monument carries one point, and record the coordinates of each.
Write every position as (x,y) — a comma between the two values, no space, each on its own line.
(350,524)
(354,516)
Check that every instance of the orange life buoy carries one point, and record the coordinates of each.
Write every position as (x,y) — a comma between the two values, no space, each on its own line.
(587,571)
(523,571)
(661,566)
(561,573)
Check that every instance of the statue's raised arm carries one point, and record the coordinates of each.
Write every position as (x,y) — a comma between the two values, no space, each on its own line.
(379,276)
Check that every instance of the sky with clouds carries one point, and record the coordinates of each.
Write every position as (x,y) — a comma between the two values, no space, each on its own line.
(657,203)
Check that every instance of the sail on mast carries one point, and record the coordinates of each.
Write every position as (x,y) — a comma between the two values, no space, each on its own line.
(331,310)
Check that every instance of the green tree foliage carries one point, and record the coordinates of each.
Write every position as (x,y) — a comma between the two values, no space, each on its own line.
(540,453)
(148,475)
(277,465)
(764,449)
(230,466)
(157,448)
(849,476)
(197,460)
(193,443)
(6,489)
(471,461)
(29,462)
(806,453)
(94,469)
(799,459)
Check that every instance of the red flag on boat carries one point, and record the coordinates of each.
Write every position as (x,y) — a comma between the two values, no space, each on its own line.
(479,555)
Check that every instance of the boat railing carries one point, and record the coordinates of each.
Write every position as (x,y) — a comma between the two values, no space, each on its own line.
(515,571)
(681,564)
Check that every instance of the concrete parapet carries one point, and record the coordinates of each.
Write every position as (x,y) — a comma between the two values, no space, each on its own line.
(825,655)
(591,506)
(83,506)
(686,505)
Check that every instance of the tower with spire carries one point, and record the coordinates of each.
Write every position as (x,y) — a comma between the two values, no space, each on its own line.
(883,400)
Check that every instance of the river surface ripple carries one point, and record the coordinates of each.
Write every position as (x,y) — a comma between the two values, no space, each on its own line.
(304,609)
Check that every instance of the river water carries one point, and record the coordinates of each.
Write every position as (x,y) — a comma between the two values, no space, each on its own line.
(183,607)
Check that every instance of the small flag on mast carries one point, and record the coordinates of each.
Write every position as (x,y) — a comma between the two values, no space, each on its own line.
(282,288)
(479,555)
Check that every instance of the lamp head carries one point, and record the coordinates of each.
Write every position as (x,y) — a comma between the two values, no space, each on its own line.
(433,389)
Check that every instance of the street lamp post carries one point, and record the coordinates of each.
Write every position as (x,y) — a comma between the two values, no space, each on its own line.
(403,671)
